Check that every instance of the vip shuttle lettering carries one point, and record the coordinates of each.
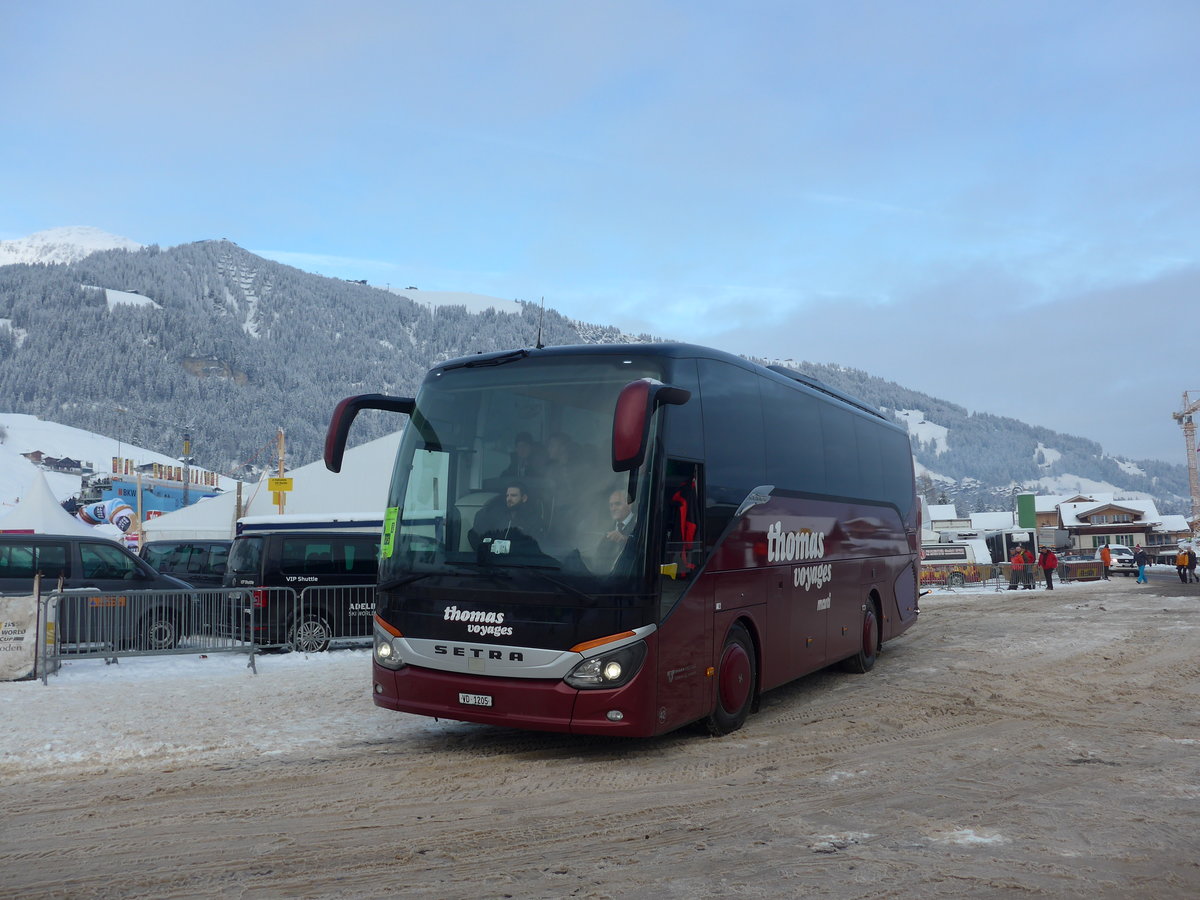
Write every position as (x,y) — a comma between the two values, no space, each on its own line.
(794,545)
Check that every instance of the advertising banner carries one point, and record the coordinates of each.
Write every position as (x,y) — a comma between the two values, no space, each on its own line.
(18,637)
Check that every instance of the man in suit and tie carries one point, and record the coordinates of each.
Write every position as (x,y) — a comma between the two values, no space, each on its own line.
(614,540)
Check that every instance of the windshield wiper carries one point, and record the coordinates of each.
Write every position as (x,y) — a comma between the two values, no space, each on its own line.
(558,583)
(501,359)
(417,576)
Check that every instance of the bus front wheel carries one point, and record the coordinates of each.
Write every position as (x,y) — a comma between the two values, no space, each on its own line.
(864,659)
(737,677)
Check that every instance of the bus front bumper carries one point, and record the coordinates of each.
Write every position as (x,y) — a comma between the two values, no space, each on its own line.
(535,704)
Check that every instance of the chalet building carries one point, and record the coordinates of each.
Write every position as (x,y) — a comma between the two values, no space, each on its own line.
(66,464)
(1090,520)
(1099,519)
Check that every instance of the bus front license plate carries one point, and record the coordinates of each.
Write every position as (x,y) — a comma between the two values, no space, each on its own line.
(474,699)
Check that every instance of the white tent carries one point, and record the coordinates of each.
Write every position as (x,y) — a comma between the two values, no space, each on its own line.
(40,513)
(361,487)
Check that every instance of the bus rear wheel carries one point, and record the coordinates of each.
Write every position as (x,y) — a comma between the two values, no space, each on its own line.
(737,678)
(864,659)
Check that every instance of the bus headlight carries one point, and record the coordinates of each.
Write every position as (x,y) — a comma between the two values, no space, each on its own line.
(385,651)
(610,669)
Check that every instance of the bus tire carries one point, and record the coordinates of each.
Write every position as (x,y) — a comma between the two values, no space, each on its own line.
(158,630)
(310,633)
(737,680)
(864,659)
(957,579)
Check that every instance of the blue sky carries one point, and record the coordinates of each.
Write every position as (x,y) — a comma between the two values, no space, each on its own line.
(995,203)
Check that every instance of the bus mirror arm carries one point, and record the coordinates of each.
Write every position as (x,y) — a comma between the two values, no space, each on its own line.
(631,420)
(343,417)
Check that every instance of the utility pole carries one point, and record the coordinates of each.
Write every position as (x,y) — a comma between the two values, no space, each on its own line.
(187,466)
(281,494)
(1184,418)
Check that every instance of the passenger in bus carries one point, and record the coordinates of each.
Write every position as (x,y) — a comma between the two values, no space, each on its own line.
(506,516)
(565,476)
(614,540)
(526,459)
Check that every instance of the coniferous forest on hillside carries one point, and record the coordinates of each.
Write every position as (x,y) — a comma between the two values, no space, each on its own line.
(235,347)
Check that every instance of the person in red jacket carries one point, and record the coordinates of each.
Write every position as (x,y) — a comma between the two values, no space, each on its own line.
(1017,572)
(1030,559)
(1048,562)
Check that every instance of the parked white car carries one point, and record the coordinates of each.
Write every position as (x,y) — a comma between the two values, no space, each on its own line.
(1122,559)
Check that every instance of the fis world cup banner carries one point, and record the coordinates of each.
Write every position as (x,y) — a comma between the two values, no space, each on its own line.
(18,637)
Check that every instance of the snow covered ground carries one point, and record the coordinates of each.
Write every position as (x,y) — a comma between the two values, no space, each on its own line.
(167,710)
(162,711)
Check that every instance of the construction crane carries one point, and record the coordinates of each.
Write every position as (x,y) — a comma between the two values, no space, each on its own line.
(1184,418)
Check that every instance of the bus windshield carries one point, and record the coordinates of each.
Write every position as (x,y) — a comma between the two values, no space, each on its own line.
(506,468)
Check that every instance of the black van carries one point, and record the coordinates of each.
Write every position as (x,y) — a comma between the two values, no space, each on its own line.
(308,581)
(113,612)
(200,563)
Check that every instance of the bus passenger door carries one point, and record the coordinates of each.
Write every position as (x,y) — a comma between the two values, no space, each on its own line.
(685,601)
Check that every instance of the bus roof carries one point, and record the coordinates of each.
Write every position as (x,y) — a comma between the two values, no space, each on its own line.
(671,350)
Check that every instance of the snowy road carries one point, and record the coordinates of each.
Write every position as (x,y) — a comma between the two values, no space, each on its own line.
(1012,743)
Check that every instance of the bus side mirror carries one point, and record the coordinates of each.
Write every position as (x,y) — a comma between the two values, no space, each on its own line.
(631,420)
(343,417)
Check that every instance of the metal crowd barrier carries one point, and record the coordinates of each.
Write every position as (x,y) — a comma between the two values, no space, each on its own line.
(83,624)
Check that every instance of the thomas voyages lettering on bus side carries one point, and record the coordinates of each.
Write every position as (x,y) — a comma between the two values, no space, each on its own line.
(799,545)
(802,544)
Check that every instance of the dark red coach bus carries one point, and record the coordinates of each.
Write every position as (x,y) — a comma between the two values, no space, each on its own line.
(625,539)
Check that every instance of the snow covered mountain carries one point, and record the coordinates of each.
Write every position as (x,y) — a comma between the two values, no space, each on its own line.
(62,245)
(230,347)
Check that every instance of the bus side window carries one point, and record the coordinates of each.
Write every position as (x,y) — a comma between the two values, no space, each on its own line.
(683,518)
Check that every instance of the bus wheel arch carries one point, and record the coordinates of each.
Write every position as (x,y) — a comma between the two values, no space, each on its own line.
(736,688)
(870,638)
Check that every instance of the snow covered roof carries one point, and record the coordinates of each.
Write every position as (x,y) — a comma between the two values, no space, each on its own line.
(1175,524)
(993,521)
(942,511)
(1048,503)
(1074,514)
